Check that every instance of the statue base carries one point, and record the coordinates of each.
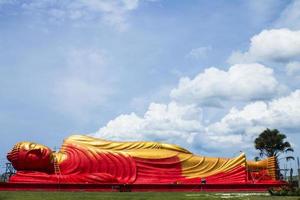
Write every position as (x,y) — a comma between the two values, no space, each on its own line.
(176,187)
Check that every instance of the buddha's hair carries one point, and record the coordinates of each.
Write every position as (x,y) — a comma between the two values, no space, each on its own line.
(14,154)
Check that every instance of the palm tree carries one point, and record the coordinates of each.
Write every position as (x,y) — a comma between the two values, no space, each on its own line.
(272,143)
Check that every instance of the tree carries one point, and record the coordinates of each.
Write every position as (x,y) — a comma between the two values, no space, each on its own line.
(272,143)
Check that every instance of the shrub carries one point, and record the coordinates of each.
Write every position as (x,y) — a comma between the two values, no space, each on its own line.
(286,190)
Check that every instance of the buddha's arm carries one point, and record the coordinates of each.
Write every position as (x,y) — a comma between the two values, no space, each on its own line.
(200,166)
(269,164)
(193,166)
(59,157)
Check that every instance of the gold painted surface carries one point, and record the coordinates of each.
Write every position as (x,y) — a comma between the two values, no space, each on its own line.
(199,166)
(152,153)
(257,164)
(59,156)
(121,146)
(30,146)
(272,162)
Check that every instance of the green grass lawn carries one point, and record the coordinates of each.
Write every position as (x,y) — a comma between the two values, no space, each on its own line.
(134,196)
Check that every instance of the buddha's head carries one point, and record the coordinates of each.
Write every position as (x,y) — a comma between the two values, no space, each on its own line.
(30,156)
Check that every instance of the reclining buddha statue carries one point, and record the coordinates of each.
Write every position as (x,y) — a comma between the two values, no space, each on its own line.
(84,159)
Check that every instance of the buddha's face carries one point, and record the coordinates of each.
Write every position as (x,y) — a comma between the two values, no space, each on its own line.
(30,156)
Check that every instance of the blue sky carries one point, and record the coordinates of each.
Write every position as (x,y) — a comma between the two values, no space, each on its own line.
(208,75)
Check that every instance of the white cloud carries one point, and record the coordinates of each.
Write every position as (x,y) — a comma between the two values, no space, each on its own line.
(124,127)
(241,82)
(248,122)
(277,45)
(171,122)
(198,53)
(112,12)
(182,124)
(180,121)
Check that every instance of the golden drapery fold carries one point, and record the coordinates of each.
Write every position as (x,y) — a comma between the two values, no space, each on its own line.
(192,166)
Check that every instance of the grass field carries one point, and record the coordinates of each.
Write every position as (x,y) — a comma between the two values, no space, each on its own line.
(134,196)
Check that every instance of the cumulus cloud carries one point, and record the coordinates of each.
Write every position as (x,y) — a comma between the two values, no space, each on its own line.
(182,124)
(171,122)
(181,121)
(276,45)
(112,12)
(241,82)
(252,84)
(246,123)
